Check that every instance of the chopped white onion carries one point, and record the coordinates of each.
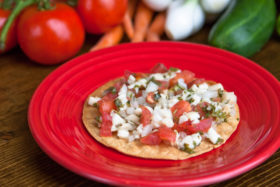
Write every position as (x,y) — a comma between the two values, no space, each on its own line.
(93,100)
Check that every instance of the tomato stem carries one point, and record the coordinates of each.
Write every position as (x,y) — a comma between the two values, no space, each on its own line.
(21,4)
(7,4)
(72,3)
(45,5)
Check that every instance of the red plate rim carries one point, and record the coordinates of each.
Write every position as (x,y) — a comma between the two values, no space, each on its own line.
(59,156)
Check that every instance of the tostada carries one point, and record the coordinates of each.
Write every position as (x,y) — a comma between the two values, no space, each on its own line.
(165,114)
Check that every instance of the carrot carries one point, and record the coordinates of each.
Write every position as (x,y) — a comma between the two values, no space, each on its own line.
(110,38)
(143,18)
(157,27)
(131,7)
(127,21)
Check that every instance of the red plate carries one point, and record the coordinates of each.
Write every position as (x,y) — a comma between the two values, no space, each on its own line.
(56,109)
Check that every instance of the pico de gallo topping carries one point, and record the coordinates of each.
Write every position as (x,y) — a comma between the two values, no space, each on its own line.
(169,106)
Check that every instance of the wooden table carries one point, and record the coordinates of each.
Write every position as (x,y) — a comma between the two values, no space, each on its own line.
(22,162)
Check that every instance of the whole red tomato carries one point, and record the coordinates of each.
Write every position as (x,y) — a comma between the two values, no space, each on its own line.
(11,37)
(50,36)
(100,16)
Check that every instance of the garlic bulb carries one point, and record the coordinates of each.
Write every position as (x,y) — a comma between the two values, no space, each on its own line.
(157,5)
(184,17)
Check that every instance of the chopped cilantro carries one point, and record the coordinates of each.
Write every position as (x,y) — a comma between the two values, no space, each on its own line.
(154,81)
(188,149)
(237,119)
(157,96)
(191,100)
(220,92)
(190,90)
(210,110)
(114,90)
(176,88)
(182,88)
(95,105)
(118,103)
(220,140)
(98,119)
(172,69)
(194,144)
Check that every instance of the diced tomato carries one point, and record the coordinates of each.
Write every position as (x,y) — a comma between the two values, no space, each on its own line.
(167,134)
(187,127)
(181,127)
(106,125)
(151,98)
(146,116)
(217,99)
(163,85)
(151,139)
(127,74)
(196,81)
(179,108)
(138,94)
(203,126)
(137,76)
(106,104)
(178,92)
(188,77)
(140,75)
(159,68)
(198,108)
(119,84)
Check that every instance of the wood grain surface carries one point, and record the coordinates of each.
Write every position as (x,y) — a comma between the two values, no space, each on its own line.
(22,162)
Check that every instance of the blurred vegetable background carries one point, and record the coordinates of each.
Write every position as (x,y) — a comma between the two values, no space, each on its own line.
(53,31)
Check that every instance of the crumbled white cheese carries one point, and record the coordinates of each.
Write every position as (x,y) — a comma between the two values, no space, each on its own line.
(230,108)
(191,141)
(216,87)
(132,118)
(122,95)
(182,84)
(139,129)
(183,119)
(172,101)
(152,87)
(162,116)
(130,110)
(138,111)
(196,99)
(141,100)
(209,94)
(126,126)
(93,100)
(139,83)
(157,76)
(212,135)
(229,97)
(147,130)
(116,121)
(131,79)
(192,116)
(163,102)
(196,138)
(123,133)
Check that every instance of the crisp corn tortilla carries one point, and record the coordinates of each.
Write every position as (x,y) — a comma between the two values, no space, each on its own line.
(136,148)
